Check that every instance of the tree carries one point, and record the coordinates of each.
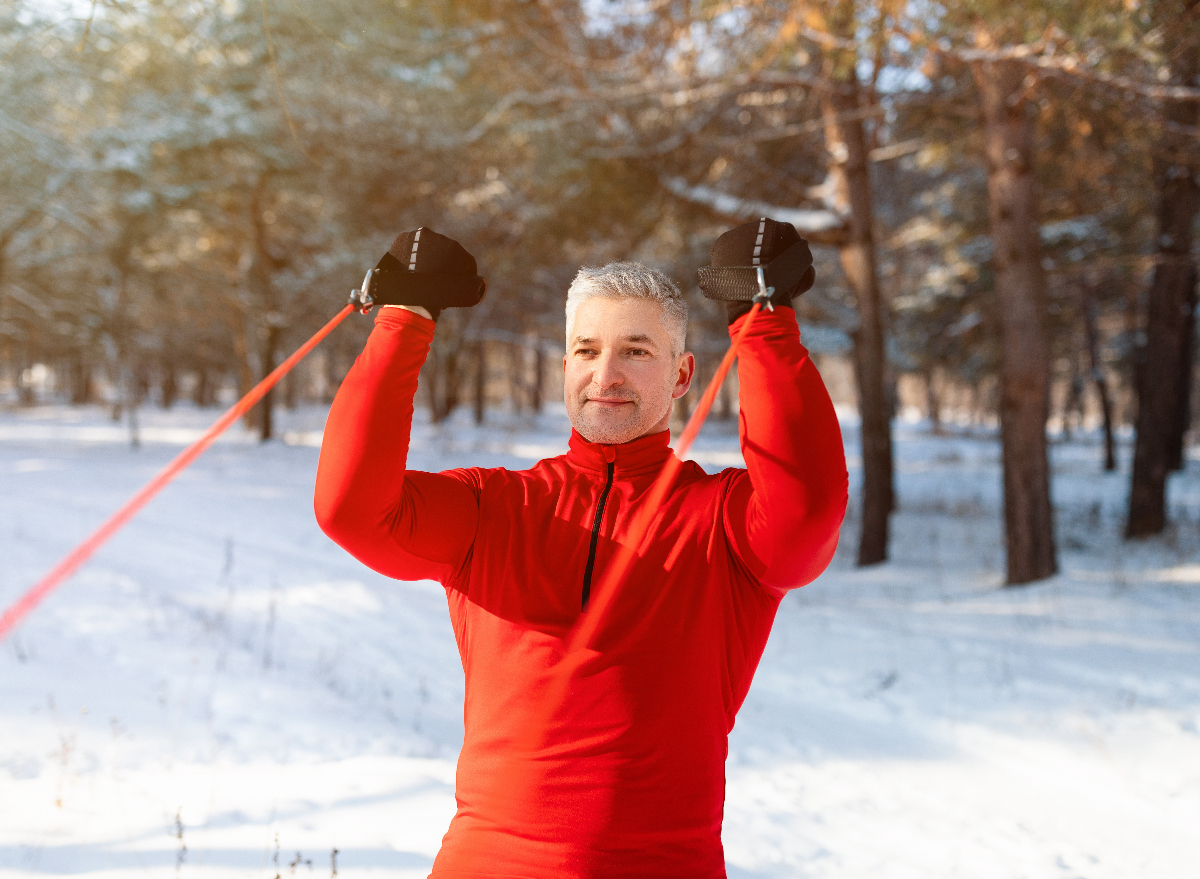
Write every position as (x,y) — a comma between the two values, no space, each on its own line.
(1009,120)
(1165,358)
(850,181)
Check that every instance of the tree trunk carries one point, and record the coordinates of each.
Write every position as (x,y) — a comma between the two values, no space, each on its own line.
(845,141)
(270,347)
(1097,374)
(1162,403)
(725,399)
(264,297)
(291,390)
(1183,413)
(168,374)
(516,377)
(169,386)
(1164,365)
(480,389)
(432,377)
(933,403)
(451,379)
(26,395)
(1009,124)
(243,347)
(1072,410)
(204,393)
(333,374)
(441,378)
(81,379)
(131,411)
(539,383)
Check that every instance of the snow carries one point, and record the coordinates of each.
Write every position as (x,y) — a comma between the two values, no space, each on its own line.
(222,692)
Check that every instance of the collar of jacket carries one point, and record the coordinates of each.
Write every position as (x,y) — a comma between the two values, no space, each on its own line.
(643,455)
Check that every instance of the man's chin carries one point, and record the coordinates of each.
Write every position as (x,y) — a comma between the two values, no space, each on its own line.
(607,432)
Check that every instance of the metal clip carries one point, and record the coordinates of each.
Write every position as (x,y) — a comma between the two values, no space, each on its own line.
(764,292)
(362,298)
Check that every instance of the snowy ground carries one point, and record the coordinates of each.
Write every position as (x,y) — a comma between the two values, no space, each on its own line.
(221,692)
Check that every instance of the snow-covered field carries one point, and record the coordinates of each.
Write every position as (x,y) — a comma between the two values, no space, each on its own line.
(222,692)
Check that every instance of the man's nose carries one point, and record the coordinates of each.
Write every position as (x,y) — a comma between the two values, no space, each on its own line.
(607,373)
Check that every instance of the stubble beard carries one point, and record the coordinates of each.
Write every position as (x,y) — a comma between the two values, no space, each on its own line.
(607,426)
(613,427)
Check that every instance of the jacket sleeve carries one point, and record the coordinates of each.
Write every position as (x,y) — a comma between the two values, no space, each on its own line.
(405,524)
(783,513)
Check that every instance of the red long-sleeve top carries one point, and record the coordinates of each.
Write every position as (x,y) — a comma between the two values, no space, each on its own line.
(626,777)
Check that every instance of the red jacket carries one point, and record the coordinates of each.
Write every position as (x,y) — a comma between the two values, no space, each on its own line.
(628,776)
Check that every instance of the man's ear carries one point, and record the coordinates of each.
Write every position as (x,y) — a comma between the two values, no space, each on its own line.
(683,379)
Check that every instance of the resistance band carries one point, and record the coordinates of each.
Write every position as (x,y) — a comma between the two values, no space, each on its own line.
(83,551)
(604,592)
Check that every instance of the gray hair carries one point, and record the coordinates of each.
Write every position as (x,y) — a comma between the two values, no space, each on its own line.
(631,280)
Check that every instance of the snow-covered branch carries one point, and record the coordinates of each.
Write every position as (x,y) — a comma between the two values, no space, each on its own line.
(820,226)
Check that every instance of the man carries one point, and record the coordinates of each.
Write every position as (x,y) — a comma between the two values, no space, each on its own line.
(624,776)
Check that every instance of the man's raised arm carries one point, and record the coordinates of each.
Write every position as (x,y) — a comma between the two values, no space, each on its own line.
(406,524)
(782,521)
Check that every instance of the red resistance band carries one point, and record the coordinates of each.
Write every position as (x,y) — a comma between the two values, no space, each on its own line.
(27,602)
(603,593)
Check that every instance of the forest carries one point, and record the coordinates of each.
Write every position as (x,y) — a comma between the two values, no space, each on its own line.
(1001,198)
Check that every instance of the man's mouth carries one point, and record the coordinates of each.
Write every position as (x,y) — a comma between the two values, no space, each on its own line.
(609,402)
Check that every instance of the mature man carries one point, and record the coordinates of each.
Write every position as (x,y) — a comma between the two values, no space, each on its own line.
(624,776)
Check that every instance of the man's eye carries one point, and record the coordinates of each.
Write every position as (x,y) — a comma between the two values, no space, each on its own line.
(638,352)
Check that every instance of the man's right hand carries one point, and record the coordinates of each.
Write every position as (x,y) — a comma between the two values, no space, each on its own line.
(423,270)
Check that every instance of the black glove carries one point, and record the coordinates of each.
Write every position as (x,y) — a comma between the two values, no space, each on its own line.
(776,248)
(422,268)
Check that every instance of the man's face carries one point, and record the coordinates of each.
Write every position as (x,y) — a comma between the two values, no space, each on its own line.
(620,374)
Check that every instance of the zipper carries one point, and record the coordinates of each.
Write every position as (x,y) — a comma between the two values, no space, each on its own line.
(591,562)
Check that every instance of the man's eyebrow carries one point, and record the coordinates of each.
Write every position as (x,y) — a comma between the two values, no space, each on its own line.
(639,338)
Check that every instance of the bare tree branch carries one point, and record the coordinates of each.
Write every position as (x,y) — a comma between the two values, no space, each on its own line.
(796,129)
(1036,55)
(670,93)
